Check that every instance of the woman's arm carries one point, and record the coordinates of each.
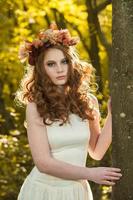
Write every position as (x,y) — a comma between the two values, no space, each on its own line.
(100,138)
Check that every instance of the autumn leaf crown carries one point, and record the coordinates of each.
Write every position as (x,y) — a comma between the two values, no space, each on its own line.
(45,38)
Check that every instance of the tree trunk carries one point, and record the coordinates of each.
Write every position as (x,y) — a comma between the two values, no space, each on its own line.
(121,80)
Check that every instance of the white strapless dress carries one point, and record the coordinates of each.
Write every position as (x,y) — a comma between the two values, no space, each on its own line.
(68,143)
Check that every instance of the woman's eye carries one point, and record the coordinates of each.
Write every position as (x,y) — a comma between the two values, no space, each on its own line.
(50,64)
(65,61)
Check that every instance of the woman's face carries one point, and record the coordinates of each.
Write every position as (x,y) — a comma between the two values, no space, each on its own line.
(56,65)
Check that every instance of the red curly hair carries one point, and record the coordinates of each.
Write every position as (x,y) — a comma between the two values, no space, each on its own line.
(52,104)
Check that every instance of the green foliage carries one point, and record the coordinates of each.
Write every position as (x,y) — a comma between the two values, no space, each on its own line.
(15,163)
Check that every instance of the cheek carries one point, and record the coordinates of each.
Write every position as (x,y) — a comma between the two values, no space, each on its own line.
(50,72)
(67,70)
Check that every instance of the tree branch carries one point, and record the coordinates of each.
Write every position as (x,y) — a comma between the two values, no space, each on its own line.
(95,21)
(101,35)
(47,19)
(103,5)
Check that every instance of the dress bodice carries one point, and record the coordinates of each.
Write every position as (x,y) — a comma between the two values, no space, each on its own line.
(69,142)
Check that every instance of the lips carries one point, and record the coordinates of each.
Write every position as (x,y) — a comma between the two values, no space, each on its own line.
(60,77)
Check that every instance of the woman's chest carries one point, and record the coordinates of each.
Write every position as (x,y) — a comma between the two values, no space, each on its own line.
(76,133)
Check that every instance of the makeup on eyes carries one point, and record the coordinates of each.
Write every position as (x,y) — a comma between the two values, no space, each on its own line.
(51,62)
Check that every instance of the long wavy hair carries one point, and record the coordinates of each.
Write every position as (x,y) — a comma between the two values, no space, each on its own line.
(54,104)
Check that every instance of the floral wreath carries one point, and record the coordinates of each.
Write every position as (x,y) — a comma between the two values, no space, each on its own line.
(45,38)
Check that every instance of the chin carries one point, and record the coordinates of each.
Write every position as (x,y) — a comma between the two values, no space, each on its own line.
(60,82)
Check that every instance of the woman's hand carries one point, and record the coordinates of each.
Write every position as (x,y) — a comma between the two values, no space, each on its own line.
(104,175)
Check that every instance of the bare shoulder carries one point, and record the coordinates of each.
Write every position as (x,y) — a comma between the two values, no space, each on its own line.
(32,114)
(31,107)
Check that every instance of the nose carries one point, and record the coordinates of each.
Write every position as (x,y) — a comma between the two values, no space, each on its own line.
(59,68)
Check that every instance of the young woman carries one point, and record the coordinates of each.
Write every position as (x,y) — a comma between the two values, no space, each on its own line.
(62,119)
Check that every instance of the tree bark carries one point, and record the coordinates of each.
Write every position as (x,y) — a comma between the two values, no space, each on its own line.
(121,79)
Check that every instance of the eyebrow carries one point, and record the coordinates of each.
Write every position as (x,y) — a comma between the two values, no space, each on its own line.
(54,60)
